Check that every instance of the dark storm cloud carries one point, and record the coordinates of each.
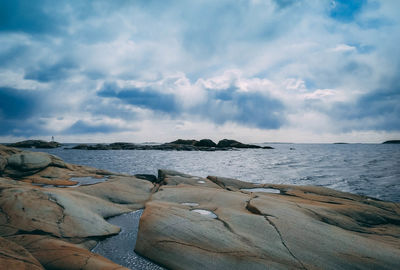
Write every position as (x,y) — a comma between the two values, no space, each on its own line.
(248,109)
(141,97)
(46,73)
(18,109)
(221,106)
(34,17)
(82,127)
(18,104)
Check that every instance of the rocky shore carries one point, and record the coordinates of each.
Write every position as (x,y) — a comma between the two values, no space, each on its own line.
(178,145)
(188,222)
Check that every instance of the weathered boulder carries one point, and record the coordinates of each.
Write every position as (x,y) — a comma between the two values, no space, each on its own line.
(237,225)
(29,161)
(35,144)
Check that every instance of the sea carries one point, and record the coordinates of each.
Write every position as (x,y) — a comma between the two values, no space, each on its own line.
(366,169)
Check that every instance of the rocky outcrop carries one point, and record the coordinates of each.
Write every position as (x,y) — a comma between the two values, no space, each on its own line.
(178,145)
(222,223)
(46,227)
(235,144)
(35,144)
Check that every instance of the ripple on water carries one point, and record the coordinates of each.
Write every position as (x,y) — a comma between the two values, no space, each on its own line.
(120,248)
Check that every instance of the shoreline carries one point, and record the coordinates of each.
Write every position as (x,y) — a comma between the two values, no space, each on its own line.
(188,222)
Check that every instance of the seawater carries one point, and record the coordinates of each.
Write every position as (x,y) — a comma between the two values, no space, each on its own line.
(366,169)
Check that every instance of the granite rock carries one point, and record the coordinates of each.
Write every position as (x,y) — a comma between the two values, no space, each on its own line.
(236,225)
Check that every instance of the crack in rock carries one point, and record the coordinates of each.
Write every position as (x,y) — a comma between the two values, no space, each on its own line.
(60,221)
(251,208)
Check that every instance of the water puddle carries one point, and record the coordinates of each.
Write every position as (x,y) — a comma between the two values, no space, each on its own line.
(87,180)
(267,190)
(205,213)
(190,204)
(120,248)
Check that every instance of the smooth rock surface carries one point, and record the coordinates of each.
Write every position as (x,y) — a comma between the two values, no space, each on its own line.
(300,228)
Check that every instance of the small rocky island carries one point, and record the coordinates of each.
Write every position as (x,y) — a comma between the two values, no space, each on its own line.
(51,219)
(35,144)
(392,142)
(178,145)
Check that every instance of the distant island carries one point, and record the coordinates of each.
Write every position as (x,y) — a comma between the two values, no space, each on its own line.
(178,145)
(392,142)
(35,144)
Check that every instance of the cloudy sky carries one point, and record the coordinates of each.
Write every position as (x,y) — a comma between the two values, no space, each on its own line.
(251,70)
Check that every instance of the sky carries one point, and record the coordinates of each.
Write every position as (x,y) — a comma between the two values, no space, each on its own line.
(316,71)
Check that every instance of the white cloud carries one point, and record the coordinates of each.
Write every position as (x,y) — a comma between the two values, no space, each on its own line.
(344,48)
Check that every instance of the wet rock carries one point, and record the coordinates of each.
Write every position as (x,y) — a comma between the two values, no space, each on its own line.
(35,144)
(149,177)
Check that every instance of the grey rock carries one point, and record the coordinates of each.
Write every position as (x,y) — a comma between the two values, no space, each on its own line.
(29,161)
